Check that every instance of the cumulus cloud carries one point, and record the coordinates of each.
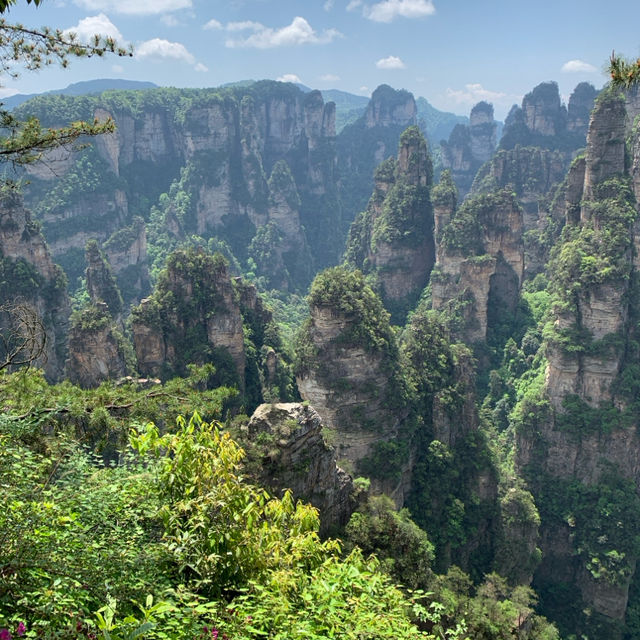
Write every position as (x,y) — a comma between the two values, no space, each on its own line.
(329,77)
(354,4)
(213,24)
(159,49)
(289,77)
(201,67)
(391,62)
(135,7)
(578,66)
(297,33)
(100,25)
(389,10)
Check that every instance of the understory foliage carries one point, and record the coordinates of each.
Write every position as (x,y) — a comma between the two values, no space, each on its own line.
(173,542)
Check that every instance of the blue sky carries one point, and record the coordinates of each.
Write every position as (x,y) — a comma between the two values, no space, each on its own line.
(452,52)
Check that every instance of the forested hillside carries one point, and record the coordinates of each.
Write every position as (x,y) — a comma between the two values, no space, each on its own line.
(262,350)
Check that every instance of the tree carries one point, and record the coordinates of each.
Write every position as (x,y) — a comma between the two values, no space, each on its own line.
(23,339)
(624,73)
(24,142)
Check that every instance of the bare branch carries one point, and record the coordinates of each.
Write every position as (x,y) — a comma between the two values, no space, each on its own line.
(23,341)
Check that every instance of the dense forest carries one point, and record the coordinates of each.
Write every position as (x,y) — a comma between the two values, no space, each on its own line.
(280,367)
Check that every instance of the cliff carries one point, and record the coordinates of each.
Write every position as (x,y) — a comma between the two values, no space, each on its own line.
(29,276)
(468,147)
(348,370)
(191,317)
(363,145)
(217,148)
(543,121)
(479,259)
(287,444)
(97,348)
(579,449)
(393,239)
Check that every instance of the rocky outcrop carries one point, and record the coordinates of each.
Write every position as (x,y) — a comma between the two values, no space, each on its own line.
(480,259)
(29,276)
(470,146)
(97,349)
(581,103)
(226,142)
(579,449)
(393,238)
(543,121)
(390,108)
(605,155)
(543,112)
(101,284)
(192,317)
(287,442)
(350,376)
(365,144)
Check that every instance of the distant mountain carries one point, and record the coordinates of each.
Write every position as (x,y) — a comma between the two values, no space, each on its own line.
(349,107)
(80,89)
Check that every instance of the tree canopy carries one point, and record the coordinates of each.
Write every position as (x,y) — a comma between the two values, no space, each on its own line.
(24,141)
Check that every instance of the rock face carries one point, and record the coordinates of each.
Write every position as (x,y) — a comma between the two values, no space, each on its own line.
(287,440)
(470,146)
(393,238)
(543,121)
(480,257)
(351,379)
(390,108)
(366,143)
(543,111)
(226,142)
(580,450)
(29,276)
(192,317)
(96,348)
(581,103)
(101,285)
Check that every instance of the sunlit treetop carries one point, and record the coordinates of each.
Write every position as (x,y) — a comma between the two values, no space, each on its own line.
(624,73)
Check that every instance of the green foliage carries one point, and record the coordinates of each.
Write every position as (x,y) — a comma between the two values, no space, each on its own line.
(602,518)
(174,526)
(345,292)
(401,546)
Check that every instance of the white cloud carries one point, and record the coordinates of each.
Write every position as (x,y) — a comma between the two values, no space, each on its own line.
(298,32)
(213,24)
(354,4)
(158,49)
(389,10)
(289,77)
(246,25)
(391,62)
(135,7)
(88,27)
(328,5)
(329,77)
(201,67)
(578,66)
(364,89)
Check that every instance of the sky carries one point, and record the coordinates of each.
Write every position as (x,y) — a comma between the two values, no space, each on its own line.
(454,53)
